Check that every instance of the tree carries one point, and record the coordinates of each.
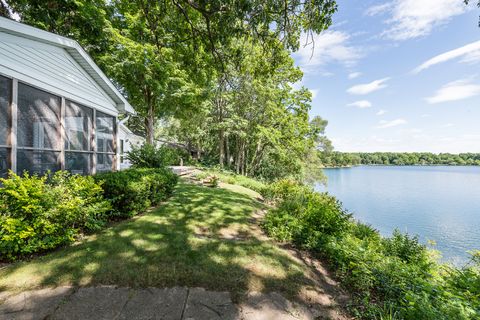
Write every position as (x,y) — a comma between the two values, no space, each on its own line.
(158,51)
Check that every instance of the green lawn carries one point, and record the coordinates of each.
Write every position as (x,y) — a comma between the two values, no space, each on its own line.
(201,237)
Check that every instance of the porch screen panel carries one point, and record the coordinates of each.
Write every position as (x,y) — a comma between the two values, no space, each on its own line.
(38,130)
(5,99)
(105,134)
(4,162)
(37,161)
(78,143)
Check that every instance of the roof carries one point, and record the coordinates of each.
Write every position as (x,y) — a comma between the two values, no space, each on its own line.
(128,132)
(75,50)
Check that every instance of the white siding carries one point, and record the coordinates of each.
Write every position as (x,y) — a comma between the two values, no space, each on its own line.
(129,139)
(53,69)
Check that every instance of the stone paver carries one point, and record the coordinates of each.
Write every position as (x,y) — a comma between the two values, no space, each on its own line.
(109,302)
(35,304)
(153,303)
(259,306)
(93,303)
(209,305)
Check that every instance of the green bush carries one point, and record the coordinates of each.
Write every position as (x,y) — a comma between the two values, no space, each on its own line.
(134,190)
(389,278)
(303,216)
(41,213)
(148,156)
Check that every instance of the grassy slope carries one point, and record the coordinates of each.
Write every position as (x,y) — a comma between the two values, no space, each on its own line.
(183,243)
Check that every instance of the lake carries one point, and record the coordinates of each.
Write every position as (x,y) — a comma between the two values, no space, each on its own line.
(437,203)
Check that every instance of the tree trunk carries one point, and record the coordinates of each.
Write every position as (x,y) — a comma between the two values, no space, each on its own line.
(221,145)
(257,157)
(239,157)
(227,151)
(150,129)
(244,156)
(150,119)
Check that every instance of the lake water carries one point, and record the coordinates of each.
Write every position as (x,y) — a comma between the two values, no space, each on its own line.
(435,203)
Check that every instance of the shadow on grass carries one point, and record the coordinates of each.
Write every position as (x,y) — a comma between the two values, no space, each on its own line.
(162,249)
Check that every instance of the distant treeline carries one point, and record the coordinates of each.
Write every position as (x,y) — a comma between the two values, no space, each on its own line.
(339,159)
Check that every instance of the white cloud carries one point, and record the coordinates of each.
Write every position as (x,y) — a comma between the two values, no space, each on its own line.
(326,47)
(393,123)
(362,104)
(410,19)
(378,9)
(381,112)
(362,89)
(327,74)
(408,141)
(448,125)
(470,54)
(354,75)
(453,91)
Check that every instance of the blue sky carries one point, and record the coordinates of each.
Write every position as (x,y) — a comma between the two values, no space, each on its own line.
(401,75)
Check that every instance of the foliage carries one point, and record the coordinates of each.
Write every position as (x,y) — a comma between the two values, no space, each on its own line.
(254,123)
(313,218)
(390,278)
(339,159)
(41,213)
(132,191)
(165,55)
(149,156)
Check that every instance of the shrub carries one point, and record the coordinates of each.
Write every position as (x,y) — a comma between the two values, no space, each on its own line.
(134,190)
(306,217)
(41,213)
(149,156)
(389,278)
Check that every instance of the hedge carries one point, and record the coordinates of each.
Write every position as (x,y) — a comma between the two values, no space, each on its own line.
(40,213)
(132,191)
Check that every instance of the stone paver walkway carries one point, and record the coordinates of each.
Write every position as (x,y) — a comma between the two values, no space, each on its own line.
(109,302)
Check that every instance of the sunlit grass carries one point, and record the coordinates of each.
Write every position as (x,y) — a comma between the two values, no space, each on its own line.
(189,241)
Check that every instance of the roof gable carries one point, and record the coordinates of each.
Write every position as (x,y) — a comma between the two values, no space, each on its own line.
(60,61)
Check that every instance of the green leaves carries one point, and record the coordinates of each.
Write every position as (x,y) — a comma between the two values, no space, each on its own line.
(40,213)
(388,278)
(135,190)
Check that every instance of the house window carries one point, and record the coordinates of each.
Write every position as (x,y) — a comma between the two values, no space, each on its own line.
(105,128)
(78,138)
(121,151)
(5,99)
(38,130)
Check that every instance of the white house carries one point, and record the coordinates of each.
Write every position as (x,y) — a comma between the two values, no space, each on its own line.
(127,139)
(58,110)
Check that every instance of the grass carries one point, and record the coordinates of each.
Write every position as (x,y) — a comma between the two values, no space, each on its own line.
(201,237)
(232,178)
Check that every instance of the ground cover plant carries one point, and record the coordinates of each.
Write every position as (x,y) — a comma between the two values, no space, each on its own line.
(233,178)
(390,278)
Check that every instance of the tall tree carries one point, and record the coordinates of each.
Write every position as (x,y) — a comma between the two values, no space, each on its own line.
(165,56)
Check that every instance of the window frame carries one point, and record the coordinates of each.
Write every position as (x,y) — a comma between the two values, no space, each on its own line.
(13,148)
(91,136)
